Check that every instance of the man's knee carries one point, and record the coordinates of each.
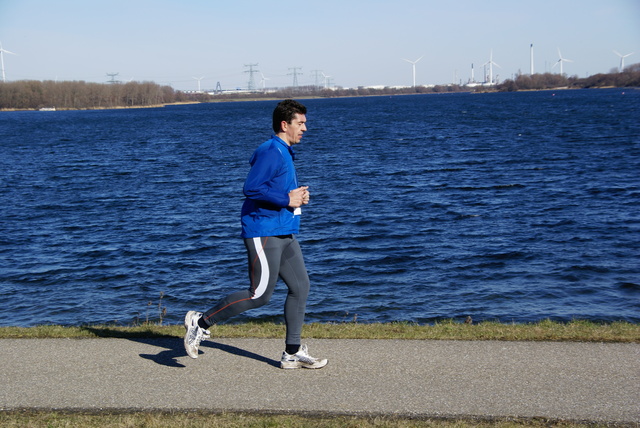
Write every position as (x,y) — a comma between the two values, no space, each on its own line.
(260,301)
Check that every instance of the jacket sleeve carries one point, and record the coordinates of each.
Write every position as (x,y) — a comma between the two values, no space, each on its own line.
(262,182)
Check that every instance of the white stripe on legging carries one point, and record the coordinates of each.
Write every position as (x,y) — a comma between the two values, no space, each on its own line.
(264,278)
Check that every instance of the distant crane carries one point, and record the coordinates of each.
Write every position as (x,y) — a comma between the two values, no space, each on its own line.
(560,61)
(622,57)
(2,52)
(413,64)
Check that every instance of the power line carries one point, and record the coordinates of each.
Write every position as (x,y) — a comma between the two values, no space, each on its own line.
(317,74)
(113,80)
(295,75)
(251,71)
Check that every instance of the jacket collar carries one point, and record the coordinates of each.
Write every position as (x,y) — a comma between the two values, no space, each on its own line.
(290,148)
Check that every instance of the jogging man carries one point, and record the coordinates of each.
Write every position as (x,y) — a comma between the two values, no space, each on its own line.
(270,221)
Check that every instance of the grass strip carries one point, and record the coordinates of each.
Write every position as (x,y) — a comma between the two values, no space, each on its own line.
(546,330)
(185,419)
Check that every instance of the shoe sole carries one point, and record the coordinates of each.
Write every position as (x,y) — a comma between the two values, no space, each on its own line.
(298,365)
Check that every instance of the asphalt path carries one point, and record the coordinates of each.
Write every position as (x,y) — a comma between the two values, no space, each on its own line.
(591,382)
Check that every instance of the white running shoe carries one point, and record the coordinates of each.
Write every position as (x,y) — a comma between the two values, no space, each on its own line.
(301,359)
(195,334)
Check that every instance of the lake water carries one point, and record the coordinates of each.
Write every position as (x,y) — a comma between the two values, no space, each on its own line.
(511,206)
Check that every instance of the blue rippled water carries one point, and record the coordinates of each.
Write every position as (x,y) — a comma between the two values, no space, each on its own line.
(510,206)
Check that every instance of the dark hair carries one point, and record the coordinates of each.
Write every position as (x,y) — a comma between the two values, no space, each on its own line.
(286,110)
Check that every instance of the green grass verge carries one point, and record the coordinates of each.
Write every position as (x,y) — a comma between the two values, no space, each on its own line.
(185,419)
(584,331)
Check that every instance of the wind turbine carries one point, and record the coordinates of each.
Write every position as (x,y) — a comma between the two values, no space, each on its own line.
(263,80)
(560,61)
(2,52)
(326,80)
(491,64)
(199,79)
(622,57)
(413,63)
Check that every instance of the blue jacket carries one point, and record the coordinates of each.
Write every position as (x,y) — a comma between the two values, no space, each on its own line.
(265,211)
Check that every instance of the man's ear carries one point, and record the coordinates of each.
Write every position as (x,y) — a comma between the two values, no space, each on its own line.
(283,125)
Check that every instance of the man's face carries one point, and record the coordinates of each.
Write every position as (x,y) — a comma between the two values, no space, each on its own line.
(294,130)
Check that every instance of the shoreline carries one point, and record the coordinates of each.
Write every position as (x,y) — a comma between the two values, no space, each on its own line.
(101,108)
(308,97)
(542,331)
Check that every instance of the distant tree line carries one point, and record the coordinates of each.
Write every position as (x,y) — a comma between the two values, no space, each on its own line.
(630,77)
(35,94)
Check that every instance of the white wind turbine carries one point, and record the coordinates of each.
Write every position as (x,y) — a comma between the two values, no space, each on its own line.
(199,79)
(491,64)
(622,57)
(263,80)
(2,52)
(560,61)
(413,63)
(326,80)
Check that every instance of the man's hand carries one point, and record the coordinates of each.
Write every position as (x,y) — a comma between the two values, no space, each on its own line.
(299,197)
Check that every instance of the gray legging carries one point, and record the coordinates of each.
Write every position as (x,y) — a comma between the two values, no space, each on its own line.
(269,258)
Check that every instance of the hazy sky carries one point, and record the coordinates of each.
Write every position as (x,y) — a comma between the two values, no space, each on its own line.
(356,42)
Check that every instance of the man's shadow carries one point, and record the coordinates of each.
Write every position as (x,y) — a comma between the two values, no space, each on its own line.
(239,352)
(174,347)
(174,350)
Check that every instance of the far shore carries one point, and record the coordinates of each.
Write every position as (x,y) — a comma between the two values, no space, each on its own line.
(103,108)
(301,97)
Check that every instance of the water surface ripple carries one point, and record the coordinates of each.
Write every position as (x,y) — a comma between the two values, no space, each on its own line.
(510,206)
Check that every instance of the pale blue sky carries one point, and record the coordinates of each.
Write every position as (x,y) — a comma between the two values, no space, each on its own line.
(356,42)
